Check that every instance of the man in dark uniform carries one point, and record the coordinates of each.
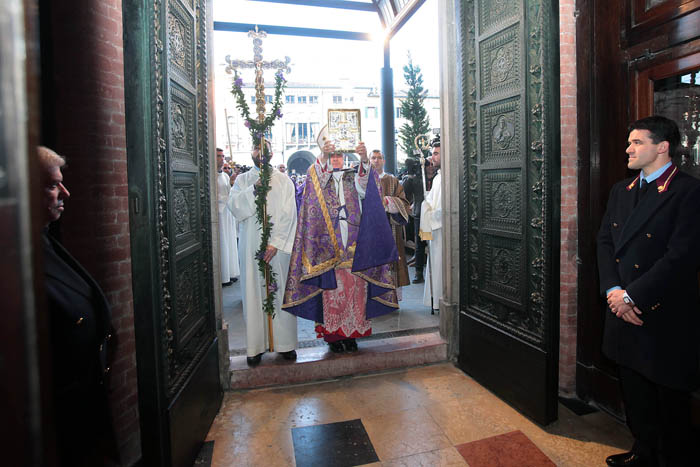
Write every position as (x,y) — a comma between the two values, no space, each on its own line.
(80,335)
(648,259)
(413,188)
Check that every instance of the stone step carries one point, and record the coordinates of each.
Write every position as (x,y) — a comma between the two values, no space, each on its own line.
(319,363)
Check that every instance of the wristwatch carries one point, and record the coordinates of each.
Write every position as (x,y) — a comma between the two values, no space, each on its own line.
(626,298)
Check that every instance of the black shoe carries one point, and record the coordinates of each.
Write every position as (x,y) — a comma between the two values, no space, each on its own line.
(291,355)
(419,279)
(626,459)
(350,345)
(336,347)
(226,284)
(254,361)
(235,279)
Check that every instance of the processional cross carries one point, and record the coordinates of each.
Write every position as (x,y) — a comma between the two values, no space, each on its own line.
(258,64)
(422,143)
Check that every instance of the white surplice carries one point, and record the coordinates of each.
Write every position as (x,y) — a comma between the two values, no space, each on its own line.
(431,221)
(281,206)
(228,237)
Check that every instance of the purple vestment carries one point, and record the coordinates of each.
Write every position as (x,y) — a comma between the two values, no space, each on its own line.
(318,247)
(298,193)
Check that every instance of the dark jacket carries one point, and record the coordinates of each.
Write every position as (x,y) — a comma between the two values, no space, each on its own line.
(413,188)
(81,341)
(653,251)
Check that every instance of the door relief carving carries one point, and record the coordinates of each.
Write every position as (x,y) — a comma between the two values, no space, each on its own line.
(506,186)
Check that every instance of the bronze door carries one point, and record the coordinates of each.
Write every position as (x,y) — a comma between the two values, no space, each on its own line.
(509,201)
(167,111)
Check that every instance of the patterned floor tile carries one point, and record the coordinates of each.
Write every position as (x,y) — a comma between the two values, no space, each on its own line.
(341,444)
(512,449)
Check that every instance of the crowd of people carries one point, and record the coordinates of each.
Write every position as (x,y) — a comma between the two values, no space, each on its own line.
(338,247)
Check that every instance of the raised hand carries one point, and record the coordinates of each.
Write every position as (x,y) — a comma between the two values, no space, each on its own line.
(361,150)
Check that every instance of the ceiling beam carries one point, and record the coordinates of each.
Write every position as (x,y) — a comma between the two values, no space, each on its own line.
(340,4)
(292,31)
(403,16)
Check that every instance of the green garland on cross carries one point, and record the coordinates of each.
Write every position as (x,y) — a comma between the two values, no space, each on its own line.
(258,128)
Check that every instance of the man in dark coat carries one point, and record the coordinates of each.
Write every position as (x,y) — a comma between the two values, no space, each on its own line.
(80,338)
(413,188)
(648,259)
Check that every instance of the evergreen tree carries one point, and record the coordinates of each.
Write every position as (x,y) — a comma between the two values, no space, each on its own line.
(412,108)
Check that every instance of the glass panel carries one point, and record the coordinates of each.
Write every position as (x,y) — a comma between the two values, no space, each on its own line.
(678,98)
(652,3)
(301,16)
(321,70)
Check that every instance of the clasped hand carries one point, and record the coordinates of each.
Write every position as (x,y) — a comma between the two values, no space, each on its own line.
(270,253)
(624,310)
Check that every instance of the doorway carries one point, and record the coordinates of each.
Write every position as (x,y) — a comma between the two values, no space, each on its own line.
(332,69)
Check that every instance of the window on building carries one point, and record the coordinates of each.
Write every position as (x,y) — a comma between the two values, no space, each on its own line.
(398,112)
(313,99)
(370,112)
(252,99)
(291,133)
(337,99)
(268,99)
(302,99)
(314,132)
(289,99)
(351,99)
(303,132)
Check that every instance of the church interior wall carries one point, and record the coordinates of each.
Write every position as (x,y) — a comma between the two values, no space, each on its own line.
(84,120)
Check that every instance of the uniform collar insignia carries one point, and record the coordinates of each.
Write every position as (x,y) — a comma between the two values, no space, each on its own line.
(634,183)
(664,181)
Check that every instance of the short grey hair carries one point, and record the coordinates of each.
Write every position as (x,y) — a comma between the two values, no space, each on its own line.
(49,159)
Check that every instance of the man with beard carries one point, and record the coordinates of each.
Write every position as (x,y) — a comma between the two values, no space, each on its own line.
(283,215)
(431,229)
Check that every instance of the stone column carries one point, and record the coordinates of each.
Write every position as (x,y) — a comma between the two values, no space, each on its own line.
(452,154)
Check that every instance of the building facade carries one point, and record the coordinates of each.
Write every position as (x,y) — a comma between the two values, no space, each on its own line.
(304,113)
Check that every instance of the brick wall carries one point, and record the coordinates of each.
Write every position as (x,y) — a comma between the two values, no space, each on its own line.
(88,93)
(569,198)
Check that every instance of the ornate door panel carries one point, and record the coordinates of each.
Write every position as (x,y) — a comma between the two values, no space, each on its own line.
(168,155)
(509,201)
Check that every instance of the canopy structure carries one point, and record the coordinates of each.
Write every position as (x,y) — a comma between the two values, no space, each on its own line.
(392,14)
(351,20)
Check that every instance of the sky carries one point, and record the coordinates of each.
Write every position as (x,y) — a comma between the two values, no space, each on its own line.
(331,61)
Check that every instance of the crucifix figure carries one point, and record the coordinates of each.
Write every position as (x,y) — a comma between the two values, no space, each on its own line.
(259,65)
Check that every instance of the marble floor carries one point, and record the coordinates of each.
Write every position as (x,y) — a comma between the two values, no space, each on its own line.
(412,315)
(424,416)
